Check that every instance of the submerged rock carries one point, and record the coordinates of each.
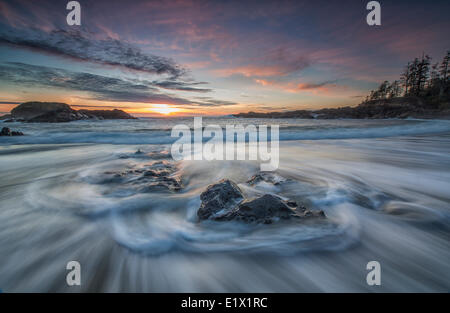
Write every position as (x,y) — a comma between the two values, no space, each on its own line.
(163,183)
(224,201)
(159,176)
(266,177)
(7,132)
(264,209)
(219,200)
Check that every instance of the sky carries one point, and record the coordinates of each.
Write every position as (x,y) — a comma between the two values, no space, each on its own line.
(158,58)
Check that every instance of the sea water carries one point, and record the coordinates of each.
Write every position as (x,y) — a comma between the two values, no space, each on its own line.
(383,184)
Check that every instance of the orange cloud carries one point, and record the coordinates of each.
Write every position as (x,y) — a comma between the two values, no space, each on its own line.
(253,71)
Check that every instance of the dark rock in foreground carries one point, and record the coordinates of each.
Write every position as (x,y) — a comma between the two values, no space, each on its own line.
(7,132)
(224,201)
(219,200)
(265,207)
(54,112)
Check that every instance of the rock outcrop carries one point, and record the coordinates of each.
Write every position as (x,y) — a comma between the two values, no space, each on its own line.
(270,208)
(54,112)
(29,110)
(265,177)
(60,116)
(219,200)
(5,117)
(224,201)
(8,132)
(157,176)
(107,114)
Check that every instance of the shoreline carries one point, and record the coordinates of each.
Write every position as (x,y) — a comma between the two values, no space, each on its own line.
(395,108)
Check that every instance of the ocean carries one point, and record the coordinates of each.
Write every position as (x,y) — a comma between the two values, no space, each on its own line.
(74,191)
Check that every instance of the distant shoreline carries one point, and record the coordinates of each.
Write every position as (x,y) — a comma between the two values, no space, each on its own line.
(401,107)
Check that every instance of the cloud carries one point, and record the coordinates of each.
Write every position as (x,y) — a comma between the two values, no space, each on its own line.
(82,46)
(298,87)
(207,101)
(310,86)
(278,62)
(98,87)
(181,86)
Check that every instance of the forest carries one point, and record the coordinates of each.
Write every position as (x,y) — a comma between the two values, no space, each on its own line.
(421,78)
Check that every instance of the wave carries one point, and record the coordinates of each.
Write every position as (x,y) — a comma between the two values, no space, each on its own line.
(108,134)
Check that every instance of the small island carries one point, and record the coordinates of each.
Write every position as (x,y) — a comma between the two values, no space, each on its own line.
(55,112)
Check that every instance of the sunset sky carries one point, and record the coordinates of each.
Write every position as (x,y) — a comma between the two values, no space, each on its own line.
(210,57)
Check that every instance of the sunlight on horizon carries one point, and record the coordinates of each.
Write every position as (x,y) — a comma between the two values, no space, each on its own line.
(163,109)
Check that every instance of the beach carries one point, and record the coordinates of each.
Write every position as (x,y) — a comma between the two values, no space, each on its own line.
(74,191)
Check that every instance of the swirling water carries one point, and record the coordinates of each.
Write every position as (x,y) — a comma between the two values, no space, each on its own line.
(384,186)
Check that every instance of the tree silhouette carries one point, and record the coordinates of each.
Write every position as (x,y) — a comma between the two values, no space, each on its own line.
(419,79)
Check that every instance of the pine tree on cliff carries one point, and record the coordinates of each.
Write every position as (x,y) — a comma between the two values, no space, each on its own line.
(405,79)
(394,89)
(422,72)
(413,69)
(384,89)
(444,69)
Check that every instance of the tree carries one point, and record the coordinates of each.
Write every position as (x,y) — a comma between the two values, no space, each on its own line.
(384,89)
(444,81)
(421,74)
(394,89)
(444,69)
(406,78)
(419,79)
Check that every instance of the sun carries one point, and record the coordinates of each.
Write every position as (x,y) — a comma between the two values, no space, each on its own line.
(163,109)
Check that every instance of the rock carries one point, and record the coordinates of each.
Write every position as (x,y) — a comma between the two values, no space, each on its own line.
(264,209)
(224,201)
(266,177)
(54,112)
(156,173)
(156,177)
(108,114)
(219,200)
(7,132)
(164,183)
(56,117)
(29,110)
(164,154)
